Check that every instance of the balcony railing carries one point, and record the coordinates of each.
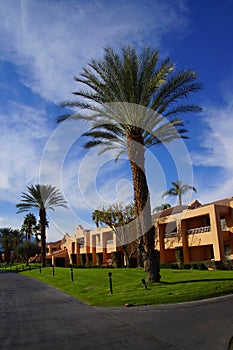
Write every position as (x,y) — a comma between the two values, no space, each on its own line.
(109,241)
(203,229)
(170,234)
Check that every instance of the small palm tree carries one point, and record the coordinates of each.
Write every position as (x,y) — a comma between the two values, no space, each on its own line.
(17,238)
(178,190)
(6,242)
(29,225)
(96,217)
(42,197)
(133,102)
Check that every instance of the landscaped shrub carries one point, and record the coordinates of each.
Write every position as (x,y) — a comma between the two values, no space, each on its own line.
(210,264)
(187,266)
(165,266)
(201,266)
(171,265)
(228,264)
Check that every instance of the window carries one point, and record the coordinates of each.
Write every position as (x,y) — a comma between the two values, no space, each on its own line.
(223,223)
(81,242)
(227,251)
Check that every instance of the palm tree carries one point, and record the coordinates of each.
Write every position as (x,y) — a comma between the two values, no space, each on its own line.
(6,242)
(29,225)
(178,190)
(132,102)
(17,239)
(96,217)
(42,197)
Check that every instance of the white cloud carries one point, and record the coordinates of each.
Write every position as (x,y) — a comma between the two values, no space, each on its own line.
(217,151)
(23,134)
(51,41)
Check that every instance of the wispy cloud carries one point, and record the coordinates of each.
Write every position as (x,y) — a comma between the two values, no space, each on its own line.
(216,151)
(23,135)
(50,41)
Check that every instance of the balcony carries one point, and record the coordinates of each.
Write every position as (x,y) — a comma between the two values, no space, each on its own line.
(194,231)
(109,241)
(170,235)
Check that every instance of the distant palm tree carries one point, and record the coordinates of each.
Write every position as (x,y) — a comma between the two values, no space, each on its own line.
(9,240)
(96,217)
(17,238)
(29,225)
(42,197)
(133,103)
(6,242)
(178,190)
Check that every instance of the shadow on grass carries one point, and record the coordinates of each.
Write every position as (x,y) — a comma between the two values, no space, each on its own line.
(199,280)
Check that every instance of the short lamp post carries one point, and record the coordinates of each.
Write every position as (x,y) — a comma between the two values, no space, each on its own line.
(110,282)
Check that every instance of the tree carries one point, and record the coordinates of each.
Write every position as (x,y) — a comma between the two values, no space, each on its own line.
(26,250)
(38,230)
(178,190)
(6,242)
(16,238)
(161,207)
(120,219)
(96,217)
(29,225)
(42,197)
(133,102)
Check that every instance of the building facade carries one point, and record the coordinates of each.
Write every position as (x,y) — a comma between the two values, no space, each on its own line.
(195,232)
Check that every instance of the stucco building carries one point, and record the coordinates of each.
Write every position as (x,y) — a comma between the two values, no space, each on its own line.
(197,232)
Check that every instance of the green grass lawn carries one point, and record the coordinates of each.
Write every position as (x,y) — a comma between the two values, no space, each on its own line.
(92,285)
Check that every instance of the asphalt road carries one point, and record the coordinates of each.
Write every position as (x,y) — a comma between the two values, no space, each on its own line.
(36,316)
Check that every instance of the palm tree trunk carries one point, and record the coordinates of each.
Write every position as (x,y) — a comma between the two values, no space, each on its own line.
(145,228)
(7,253)
(180,198)
(43,235)
(29,232)
(127,256)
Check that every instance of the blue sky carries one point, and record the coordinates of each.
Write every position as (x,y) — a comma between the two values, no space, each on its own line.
(45,43)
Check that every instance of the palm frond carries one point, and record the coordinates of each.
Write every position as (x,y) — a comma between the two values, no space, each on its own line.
(39,197)
(117,90)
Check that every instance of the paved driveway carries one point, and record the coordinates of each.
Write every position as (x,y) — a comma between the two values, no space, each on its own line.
(36,316)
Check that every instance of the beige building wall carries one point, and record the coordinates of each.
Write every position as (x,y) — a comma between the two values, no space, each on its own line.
(200,232)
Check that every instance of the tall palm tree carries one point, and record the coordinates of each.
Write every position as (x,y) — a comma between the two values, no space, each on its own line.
(29,225)
(42,197)
(178,190)
(133,102)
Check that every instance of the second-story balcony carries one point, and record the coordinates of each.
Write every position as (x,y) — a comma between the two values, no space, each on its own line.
(109,241)
(196,230)
(170,234)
